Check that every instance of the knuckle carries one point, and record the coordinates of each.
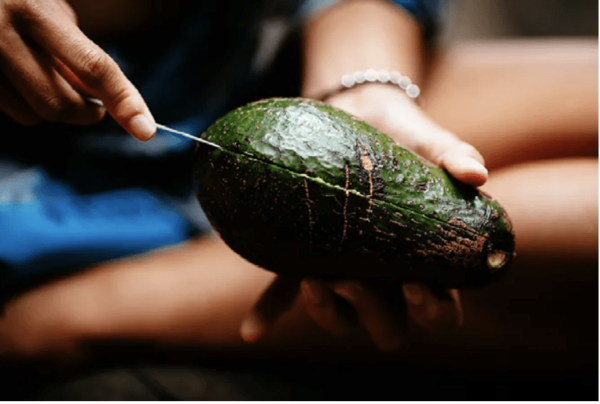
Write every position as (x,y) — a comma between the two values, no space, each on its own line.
(121,97)
(54,108)
(94,65)
(15,6)
(120,103)
(26,9)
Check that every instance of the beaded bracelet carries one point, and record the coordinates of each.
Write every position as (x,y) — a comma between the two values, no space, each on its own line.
(375,76)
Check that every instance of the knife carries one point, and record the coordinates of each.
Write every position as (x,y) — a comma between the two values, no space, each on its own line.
(163,127)
(177,132)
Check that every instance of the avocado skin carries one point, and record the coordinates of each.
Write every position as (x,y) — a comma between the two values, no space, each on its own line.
(304,189)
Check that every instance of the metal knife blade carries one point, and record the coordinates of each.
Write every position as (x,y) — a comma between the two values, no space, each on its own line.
(177,132)
(163,127)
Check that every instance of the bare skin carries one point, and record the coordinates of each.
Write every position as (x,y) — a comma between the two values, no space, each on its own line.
(541,307)
(48,66)
(374,34)
(556,81)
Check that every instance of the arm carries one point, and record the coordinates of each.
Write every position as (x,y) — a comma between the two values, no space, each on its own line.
(360,35)
(376,34)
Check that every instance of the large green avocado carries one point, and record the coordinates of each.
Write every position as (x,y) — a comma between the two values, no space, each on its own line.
(302,188)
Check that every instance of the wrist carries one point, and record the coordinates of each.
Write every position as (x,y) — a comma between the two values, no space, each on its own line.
(359,35)
(370,77)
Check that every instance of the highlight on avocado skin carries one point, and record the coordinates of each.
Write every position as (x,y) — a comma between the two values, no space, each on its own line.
(305,189)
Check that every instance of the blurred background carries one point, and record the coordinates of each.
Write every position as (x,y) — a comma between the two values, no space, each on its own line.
(485,19)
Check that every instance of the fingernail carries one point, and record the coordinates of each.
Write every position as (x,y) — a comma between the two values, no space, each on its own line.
(251,329)
(314,291)
(141,127)
(348,290)
(469,164)
(413,293)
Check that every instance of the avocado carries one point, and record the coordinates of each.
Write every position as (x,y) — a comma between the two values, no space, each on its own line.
(304,189)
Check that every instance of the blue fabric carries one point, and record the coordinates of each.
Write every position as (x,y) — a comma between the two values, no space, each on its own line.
(75,196)
(47,226)
(426,12)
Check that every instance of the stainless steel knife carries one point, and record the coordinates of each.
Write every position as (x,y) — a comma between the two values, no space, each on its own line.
(177,132)
(164,128)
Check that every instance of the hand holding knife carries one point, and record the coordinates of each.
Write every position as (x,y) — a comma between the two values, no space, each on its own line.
(165,128)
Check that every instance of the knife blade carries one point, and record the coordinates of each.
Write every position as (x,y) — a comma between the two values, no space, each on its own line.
(177,132)
(163,127)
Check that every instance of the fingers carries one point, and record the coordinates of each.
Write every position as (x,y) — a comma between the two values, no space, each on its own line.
(441,316)
(465,164)
(276,300)
(444,149)
(390,111)
(377,317)
(325,308)
(367,307)
(54,30)
(103,77)
(45,91)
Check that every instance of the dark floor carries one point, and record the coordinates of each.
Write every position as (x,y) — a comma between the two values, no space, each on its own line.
(142,380)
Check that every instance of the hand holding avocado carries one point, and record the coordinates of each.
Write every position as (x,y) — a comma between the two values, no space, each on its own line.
(354,36)
(392,112)
(303,189)
(344,307)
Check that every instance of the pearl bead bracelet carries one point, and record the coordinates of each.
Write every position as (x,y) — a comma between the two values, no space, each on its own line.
(376,76)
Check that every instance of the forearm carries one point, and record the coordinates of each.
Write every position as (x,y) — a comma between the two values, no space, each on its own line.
(359,35)
(190,295)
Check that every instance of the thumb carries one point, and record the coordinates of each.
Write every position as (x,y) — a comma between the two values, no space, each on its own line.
(464,163)
(442,148)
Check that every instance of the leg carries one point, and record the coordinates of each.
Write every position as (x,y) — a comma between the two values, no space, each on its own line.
(196,294)
(518,100)
(543,312)
(193,295)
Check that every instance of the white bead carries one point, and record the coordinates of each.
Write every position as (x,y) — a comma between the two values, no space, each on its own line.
(371,75)
(359,77)
(347,80)
(383,76)
(404,82)
(413,91)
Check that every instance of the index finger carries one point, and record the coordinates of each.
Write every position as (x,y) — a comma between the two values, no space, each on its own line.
(97,71)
